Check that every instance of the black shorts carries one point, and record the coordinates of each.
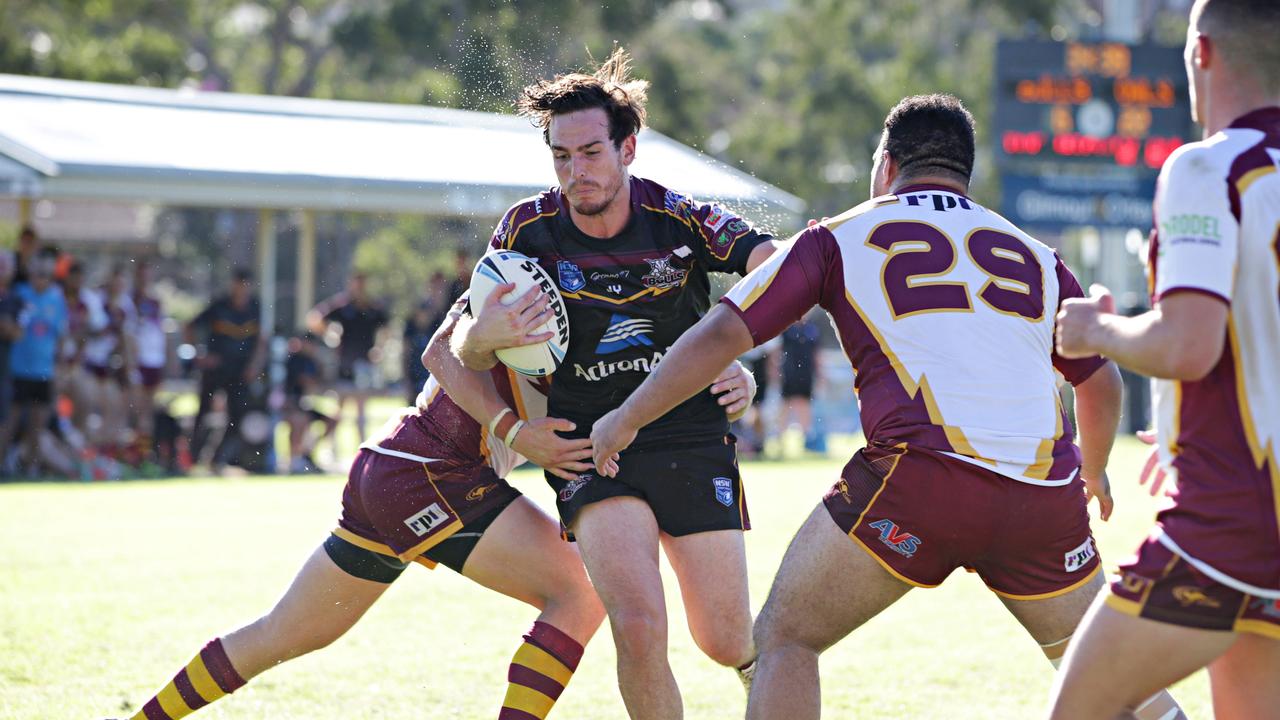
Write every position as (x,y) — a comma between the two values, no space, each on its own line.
(760,369)
(798,383)
(691,490)
(28,392)
(452,552)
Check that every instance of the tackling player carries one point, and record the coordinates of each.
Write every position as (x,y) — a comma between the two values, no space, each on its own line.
(632,260)
(1204,589)
(429,489)
(945,310)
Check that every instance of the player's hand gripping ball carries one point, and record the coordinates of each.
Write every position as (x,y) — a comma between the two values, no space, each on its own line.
(503,268)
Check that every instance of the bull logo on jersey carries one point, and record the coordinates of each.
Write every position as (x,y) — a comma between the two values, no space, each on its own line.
(571,278)
(724,490)
(624,332)
(1266,606)
(568,491)
(897,539)
(662,275)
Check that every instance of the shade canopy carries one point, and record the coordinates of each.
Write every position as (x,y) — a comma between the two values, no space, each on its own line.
(63,139)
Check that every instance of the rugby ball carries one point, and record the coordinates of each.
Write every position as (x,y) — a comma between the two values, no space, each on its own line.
(499,267)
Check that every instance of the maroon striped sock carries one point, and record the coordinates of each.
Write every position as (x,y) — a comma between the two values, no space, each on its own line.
(539,672)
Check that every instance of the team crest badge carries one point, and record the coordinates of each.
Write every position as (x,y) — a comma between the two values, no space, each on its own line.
(724,490)
(662,275)
(571,278)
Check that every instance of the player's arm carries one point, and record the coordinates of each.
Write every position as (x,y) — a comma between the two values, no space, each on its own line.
(1099,400)
(759,307)
(1180,339)
(762,252)
(475,393)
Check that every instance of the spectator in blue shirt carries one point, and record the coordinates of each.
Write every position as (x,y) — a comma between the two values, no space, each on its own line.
(43,323)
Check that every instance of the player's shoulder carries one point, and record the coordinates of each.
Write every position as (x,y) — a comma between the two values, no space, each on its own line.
(523,213)
(1209,160)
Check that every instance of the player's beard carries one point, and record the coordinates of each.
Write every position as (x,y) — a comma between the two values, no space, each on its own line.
(589,209)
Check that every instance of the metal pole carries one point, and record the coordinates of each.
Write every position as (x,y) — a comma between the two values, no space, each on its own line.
(305,295)
(267,268)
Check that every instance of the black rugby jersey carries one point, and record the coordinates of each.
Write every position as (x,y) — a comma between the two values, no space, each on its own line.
(629,297)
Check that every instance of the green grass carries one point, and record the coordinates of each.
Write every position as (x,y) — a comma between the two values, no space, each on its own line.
(106,590)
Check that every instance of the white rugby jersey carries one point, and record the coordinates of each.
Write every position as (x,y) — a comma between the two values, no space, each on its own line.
(1218,233)
(946,311)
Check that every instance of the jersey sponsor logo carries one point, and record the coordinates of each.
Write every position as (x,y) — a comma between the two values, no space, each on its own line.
(1077,558)
(717,219)
(941,202)
(602,369)
(1188,595)
(624,332)
(1134,584)
(571,278)
(724,490)
(897,539)
(568,491)
(600,277)
(557,303)
(737,228)
(427,519)
(1267,606)
(478,492)
(662,275)
(675,203)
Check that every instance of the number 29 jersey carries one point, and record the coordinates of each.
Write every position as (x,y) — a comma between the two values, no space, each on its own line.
(946,311)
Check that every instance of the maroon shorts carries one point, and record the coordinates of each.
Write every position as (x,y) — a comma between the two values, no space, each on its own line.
(922,514)
(402,508)
(1159,584)
(151,377)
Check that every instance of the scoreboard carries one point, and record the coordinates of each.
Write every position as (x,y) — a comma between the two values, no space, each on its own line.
(1081,129)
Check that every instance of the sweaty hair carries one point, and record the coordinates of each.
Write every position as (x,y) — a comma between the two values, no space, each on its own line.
(1244,31)
(609,88)
(930,135)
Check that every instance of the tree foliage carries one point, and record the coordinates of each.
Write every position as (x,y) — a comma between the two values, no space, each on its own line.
(793,92)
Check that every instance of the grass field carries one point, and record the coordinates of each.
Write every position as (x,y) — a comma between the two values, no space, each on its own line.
(106,590)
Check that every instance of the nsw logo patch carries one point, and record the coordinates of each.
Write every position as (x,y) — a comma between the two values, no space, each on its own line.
(624,332)
(724,490)
(571,278)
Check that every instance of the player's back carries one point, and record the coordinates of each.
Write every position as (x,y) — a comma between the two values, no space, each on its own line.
(1218,233)
(948,319)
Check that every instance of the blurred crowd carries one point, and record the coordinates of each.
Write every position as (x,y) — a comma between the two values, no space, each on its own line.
(89,376)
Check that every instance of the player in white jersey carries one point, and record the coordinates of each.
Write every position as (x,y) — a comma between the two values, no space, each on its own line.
(1204,589)
(946,312)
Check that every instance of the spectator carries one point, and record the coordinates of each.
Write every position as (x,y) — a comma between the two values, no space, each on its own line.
(152,356)
(10,309)
(799,373)
(33,356)
(28,246)
(302,379)
(231,361)
(359,320)
(85,319)
(418,330)
(762,361)
(109,359)
(462,267)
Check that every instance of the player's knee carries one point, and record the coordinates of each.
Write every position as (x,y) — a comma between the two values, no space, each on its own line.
(727,646)
(639,632)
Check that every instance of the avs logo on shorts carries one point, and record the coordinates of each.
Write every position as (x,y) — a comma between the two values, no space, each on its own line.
(624,332)
(724,490)
(1079,557)
(898,540)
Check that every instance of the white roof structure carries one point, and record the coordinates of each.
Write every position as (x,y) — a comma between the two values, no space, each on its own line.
(68,139)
